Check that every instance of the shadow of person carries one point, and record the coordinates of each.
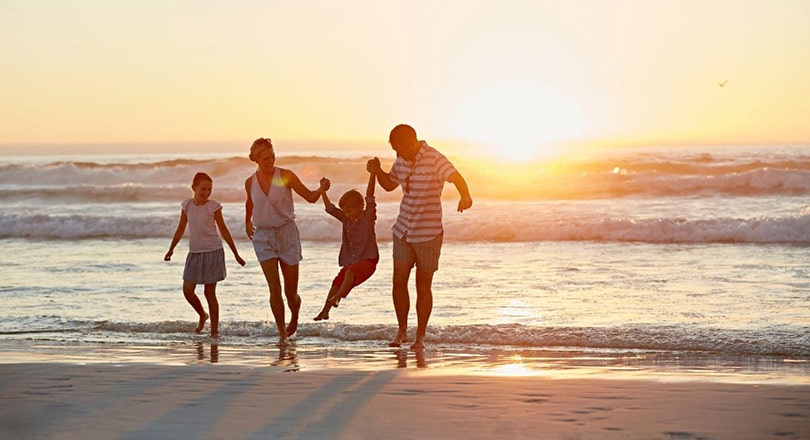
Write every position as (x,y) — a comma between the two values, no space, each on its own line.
(214,353)
(401,355)
(200,351)
(421,360)
(287,357)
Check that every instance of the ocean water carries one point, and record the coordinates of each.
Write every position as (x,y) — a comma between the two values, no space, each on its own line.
(682,258)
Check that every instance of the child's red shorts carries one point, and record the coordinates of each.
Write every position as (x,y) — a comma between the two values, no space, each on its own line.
(362,270)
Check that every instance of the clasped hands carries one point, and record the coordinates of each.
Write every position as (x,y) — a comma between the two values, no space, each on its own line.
(373,165)
(325,185)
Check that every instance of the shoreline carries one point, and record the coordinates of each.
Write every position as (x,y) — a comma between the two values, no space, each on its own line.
(53,400)
(308,356)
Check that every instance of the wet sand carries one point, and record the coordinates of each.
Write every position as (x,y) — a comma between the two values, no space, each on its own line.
(214,401)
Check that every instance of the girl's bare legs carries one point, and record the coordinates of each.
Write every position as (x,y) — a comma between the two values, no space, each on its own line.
(335,294)
(402,301)
(290,274)
(270,269)
(188,292)
(213,307)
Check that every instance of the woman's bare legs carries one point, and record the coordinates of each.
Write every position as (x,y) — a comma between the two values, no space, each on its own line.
(270,269)
(290,274)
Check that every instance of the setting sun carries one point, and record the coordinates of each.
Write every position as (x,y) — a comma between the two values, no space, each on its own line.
(517,119)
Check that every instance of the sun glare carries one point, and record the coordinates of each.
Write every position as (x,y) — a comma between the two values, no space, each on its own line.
(518,120)
(514,367)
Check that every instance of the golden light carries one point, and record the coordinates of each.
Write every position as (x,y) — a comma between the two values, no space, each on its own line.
(518,120)
(515,309)
(514,367)
(512,370)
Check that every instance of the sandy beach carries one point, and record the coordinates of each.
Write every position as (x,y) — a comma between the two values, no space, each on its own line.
(130,400)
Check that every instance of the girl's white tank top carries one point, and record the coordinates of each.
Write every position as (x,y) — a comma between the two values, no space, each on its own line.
(274,209)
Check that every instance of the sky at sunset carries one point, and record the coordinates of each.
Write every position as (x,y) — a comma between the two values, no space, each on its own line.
(521,75)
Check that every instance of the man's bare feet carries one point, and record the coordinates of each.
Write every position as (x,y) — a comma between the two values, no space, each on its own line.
(418,344)
(200,326)
(398,340)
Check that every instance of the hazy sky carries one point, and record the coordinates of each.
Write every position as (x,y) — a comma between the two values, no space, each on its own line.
(521,72)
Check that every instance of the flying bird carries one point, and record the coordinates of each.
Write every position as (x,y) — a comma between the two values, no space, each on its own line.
(722,83)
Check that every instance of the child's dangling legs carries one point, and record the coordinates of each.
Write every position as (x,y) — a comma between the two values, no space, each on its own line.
(343,291)
(337,292)
(188,292)
(346,280)
(213,307)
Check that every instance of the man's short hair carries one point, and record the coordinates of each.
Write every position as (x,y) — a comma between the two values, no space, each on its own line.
(402,133)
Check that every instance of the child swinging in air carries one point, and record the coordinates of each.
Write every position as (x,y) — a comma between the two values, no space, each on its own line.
(358,250)
(205,263)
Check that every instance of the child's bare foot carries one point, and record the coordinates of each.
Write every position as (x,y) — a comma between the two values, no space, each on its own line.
(324,315)
(398,340)
(200,326)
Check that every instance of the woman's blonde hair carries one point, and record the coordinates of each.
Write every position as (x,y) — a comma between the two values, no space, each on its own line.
(259,145)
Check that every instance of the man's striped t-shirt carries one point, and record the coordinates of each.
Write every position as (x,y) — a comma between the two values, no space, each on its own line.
(422,181)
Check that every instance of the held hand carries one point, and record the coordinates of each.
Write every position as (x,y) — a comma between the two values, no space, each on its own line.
(373,165)
(249,229)
(168,256)
(325,184)
(464,203)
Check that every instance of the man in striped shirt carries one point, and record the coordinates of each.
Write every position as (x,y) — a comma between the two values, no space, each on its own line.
(421,172)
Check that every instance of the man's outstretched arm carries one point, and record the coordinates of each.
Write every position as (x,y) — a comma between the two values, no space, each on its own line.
(463,190)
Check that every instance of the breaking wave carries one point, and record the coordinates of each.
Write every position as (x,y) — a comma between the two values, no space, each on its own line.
(638,175)
(526,223)
(768,342)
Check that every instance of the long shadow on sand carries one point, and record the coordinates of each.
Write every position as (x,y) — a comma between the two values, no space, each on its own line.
(205,412)
(339,393)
